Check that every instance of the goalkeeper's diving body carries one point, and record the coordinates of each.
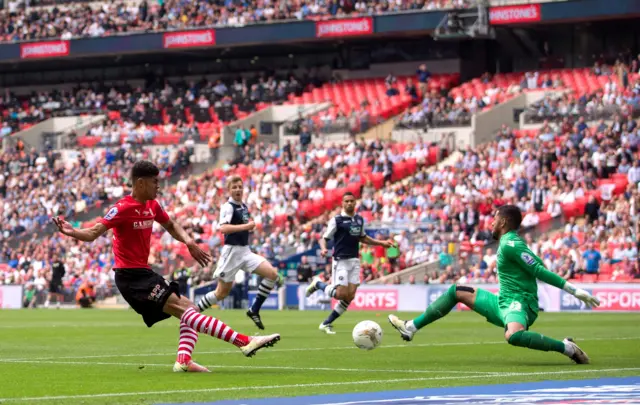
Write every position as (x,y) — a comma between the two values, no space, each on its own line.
(515,308)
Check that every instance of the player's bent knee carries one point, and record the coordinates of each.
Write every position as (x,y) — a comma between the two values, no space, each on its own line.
(512,333)
(223,289)
(464,294)
(266,270)
(342,293)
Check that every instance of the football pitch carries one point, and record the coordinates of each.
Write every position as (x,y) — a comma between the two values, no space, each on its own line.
(111,357)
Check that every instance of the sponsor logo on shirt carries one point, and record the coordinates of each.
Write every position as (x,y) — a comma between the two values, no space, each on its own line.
(142,224)
(111,214)
(527,258)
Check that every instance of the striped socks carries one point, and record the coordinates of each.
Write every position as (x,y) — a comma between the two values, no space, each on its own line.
(264,289)
(213,327)
(207,301)
(337,311)
(188,340)
(328,289)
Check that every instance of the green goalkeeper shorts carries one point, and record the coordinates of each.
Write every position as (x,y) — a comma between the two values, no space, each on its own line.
(501,314)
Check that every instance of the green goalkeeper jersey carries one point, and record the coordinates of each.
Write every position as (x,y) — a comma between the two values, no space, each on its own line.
(518,268)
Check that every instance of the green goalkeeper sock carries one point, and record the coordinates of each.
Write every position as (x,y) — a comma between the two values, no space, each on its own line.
(440,307)
(536,341)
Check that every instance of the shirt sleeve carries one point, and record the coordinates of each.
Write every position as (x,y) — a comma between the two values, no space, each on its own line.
(226,213)
(521,255)
(363,228)
(113,218)
(161,215)
(331,229)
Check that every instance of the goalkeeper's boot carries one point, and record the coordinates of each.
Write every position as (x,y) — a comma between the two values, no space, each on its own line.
(313,287)
(190,367)
(401,326)
(327,328)
(579,356)
(259,342)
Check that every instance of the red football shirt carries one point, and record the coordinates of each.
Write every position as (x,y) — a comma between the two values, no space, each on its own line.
(132,223)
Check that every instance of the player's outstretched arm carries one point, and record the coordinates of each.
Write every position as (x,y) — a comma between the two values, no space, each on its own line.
(368,240)
(178,233)
(227,229)
(534,265)
(85,235)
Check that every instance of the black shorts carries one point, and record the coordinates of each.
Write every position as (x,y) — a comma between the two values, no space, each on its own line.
(55,287)
(146,292)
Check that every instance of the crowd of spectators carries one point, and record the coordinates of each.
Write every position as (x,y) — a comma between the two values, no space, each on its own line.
(36,186)
(543,172)
(140,113)
(610,100)
(455,107)
(19,22)
(277,181)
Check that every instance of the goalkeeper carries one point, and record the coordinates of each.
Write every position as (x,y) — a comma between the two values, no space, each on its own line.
(516,306)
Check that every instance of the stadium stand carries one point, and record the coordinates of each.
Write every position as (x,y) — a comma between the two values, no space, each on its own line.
(282,192)
(98,19)
(160,112)
(35,186)
(558,170)
(360,104)
(595,92)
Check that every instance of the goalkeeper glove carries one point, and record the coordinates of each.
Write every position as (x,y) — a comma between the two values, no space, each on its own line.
(582,295)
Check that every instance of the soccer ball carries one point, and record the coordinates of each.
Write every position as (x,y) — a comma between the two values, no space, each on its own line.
(367,335)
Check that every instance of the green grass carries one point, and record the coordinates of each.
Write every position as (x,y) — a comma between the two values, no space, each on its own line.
(110,357)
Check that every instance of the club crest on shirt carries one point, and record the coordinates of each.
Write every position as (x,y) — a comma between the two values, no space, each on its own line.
(527,259)
(111,214)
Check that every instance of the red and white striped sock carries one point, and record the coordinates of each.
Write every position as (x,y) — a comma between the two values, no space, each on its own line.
(213,327)
(188,340)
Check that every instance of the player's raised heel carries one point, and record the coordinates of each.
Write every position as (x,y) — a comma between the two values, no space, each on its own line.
(190,367)
(401,327)
(313,287)
(256,319)
(579,356)
(259,342)
(327,328)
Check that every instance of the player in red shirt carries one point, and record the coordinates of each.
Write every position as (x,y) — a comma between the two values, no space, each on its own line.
(148,293)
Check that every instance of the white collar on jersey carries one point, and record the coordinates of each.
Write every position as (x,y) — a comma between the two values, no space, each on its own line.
(232,201)
(344,214)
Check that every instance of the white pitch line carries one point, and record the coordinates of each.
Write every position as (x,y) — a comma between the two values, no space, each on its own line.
(302,349)
(322,384)
(258,367)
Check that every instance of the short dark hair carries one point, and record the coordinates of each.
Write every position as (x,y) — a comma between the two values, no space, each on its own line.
(142,169)
(512,214)
(347,194)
